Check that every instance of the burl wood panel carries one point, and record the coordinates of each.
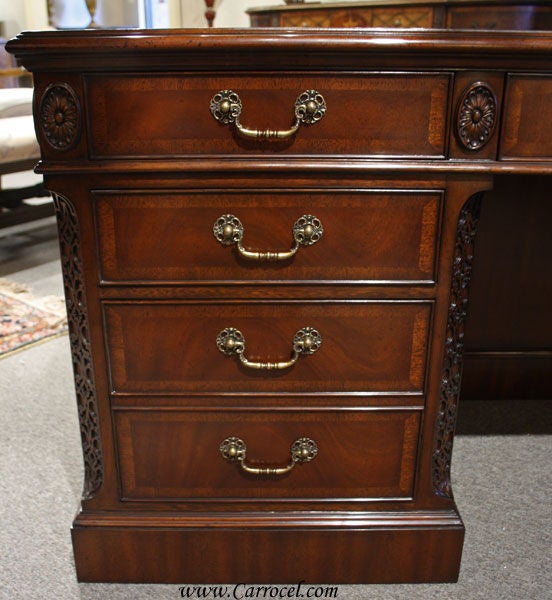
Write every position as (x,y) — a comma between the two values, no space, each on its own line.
(325,18)
(451,14)
(368,235)
(397,16)
(528,110)
(175,455)
(375,114)
(402,16)
(366,346)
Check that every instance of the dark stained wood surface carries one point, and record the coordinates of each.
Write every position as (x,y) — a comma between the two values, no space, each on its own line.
(501,15)
(526,138)
(362,241)
(509,328)
(258,555)
(135,158)
(379,449)
(452,14)
(376,114)
(366,346)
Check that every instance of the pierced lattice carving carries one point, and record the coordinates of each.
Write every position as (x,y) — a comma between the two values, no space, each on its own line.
(454,345)
(79,336)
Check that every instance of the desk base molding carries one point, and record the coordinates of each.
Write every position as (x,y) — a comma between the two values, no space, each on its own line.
(381,549)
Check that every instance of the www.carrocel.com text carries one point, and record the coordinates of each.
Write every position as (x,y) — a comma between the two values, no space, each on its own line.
(242,591)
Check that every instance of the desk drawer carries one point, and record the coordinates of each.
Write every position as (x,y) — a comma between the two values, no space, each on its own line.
(395,114)
(164,236)
(172,347)
(525,131)
(175,455)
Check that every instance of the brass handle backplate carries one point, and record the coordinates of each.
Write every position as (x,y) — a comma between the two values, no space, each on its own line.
(231,342)
(226,107)
(228,230)
(302,450)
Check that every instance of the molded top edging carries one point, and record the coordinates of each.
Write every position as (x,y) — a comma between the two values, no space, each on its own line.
(166,49)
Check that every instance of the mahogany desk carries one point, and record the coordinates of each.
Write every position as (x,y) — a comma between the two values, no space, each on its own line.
(267,240)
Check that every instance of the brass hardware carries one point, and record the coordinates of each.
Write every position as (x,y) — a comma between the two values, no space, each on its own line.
(231,342)
(228,230)
(226,107)
(302,450)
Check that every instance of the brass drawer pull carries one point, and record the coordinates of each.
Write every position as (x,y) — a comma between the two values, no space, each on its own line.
(230,341)
(226,107)
(302,450)
(228,230)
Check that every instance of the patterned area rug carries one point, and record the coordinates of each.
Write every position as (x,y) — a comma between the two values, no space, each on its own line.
(25,320)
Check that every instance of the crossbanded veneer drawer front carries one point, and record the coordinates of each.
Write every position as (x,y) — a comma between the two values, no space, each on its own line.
(176,455)
(525,135)
(172,346)
(367,235)
(168,115)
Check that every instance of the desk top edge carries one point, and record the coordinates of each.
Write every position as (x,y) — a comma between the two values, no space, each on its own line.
(101,41)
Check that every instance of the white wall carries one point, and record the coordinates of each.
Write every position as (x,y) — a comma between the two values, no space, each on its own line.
(231,13)
(22,14)
(12,16)
(18,15)
(109,13)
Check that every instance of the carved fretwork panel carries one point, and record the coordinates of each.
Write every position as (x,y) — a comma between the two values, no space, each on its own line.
(454,345)
(79,336)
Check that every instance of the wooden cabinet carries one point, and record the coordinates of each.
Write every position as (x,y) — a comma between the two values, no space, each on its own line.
(449,14)
(267,267)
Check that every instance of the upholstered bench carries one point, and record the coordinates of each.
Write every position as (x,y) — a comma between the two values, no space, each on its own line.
(19,151)
(18,146)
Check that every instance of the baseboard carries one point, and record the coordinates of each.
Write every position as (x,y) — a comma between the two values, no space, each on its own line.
(383,548)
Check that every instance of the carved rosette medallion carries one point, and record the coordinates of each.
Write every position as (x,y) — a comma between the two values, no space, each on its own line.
(60,116)
(476,116)
(79,337)
(454,346)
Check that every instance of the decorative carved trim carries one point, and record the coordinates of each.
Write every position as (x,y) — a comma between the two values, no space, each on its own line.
(60,116)
(79,336)
(454,345)
(476,116)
